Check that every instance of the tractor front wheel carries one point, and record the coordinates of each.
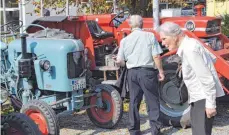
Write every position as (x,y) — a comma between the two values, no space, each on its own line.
(109,114)
(18,124)
(43,115)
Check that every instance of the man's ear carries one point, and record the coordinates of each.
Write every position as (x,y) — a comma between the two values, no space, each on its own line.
(175,38)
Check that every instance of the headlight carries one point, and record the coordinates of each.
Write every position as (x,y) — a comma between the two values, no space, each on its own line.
(190,25)
(45,65)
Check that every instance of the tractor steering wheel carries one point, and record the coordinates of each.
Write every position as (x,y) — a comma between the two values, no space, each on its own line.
(12,26)
(119,18)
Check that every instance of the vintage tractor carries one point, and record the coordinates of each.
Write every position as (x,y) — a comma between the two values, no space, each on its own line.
(49,72)
(101,35)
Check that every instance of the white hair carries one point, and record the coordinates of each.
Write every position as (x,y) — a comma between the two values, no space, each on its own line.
(136,21)
(170,29)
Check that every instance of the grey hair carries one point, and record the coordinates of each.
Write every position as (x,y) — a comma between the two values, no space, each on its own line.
(170,29)
(136,21)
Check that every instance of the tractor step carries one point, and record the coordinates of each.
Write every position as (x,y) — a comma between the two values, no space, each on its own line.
(111,82)
(106,68)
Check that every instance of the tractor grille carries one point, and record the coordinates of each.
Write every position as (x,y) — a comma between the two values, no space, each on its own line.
(75,65)
(213,27)
(214,42)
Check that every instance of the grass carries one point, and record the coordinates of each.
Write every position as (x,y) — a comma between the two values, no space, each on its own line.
(142,110)
(7,40)
(6,108)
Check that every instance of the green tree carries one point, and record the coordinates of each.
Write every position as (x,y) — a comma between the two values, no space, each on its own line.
(142,7)
(225,26)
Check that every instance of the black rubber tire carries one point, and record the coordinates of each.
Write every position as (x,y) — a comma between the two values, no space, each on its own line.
(117,111)
(47,112)
(170,119)
(20,122)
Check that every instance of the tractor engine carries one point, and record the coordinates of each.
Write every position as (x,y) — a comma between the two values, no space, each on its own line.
(103,55)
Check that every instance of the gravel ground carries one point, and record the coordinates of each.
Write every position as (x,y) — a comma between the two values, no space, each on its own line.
(79,124)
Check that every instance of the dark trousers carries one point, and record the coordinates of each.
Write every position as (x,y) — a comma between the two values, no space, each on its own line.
(201,125)
(143,80)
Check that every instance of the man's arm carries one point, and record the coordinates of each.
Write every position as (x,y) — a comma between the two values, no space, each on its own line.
(156,51)
(158,63)
(120,59)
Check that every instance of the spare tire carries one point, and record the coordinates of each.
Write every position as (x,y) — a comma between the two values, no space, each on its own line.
(174,107)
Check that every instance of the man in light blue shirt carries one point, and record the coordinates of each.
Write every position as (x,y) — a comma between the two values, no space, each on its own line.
(140,51)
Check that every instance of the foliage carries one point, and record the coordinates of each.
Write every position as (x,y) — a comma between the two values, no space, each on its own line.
(225,26)
(142,7)
(1,17)
(6,108)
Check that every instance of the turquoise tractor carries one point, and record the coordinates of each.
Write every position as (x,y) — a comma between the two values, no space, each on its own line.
(46,76)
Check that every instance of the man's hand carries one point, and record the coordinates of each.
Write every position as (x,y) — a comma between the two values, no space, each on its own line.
(161,76)
(210,112)
(114,57)
(118,61)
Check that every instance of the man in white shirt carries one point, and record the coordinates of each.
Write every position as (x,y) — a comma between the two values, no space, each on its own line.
(199,76)
(141,51)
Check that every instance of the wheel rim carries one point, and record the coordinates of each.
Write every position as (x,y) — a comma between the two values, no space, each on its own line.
(39,119)
(104,114)
(174,110)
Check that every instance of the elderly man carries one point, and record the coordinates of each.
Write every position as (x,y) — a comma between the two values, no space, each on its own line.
(199,76)
(141,52)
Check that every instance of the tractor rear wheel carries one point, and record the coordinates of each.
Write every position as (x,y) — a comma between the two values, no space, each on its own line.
(174,107)
(18,124)
(110,114)
(43,115)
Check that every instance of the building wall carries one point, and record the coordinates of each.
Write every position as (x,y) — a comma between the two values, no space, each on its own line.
(217,8)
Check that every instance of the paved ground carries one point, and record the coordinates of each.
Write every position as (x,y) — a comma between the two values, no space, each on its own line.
(79,124)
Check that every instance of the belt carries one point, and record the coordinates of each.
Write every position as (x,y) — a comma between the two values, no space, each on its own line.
(144,68)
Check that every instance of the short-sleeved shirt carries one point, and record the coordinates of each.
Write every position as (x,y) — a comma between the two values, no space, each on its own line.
(138,49)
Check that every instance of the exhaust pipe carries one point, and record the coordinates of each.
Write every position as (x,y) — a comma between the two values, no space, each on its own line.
(24,46)
(24,64)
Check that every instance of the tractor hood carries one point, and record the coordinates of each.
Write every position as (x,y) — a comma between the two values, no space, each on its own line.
(57,51)
(43,46)
(201,26)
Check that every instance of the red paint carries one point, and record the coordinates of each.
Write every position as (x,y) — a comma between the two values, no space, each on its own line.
(101,114)
(80,30)
(39,119)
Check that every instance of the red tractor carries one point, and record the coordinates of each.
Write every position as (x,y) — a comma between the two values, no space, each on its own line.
(101,35)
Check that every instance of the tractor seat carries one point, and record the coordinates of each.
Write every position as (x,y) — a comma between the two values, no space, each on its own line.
(97,32)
